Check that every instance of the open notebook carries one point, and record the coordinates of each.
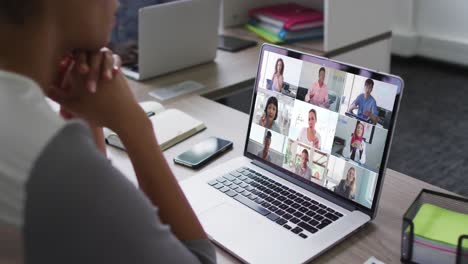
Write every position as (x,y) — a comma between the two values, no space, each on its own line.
(171,126)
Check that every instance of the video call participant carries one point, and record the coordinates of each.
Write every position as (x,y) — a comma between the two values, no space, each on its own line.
(265,153)
(309,135)
(277,78)
(365,103)
(302,169)
(318,93)
(270,114)
(356,147)
(347,187)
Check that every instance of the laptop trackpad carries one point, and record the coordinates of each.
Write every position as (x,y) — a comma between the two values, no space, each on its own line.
(242,229)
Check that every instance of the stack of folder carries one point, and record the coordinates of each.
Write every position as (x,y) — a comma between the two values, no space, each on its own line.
(436,234)
(285,23)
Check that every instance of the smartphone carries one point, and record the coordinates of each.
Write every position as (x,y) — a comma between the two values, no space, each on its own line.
(234,44)
(203,152)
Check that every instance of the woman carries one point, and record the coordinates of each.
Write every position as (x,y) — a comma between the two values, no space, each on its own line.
(277,79)
(57,190)
(270,114)
(318,93)
(309,135)
(347,187)
(356,147)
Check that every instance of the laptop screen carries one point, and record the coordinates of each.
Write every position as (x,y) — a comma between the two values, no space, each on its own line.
(321,122)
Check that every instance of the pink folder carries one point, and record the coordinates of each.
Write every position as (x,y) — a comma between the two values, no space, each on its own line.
(290,16)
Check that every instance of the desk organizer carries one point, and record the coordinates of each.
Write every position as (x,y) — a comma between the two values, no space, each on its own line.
(435,230)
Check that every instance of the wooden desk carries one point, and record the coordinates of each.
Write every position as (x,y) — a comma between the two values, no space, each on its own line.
(215,117)
(381,238)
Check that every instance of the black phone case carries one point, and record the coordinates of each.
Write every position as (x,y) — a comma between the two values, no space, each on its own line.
(234,48)
(206,161)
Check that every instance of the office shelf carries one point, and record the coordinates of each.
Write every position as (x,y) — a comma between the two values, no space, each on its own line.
(357,32)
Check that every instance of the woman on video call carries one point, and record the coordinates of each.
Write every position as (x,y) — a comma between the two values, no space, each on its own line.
(270,114)
(309,135)
(61,200)
(356,147)
(347,187)
(277,78)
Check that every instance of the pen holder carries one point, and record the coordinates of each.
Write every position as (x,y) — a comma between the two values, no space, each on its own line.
(421,250)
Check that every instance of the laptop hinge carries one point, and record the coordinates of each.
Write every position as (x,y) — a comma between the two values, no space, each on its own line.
(315,190)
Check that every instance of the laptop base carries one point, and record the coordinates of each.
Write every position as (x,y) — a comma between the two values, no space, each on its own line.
(253,237)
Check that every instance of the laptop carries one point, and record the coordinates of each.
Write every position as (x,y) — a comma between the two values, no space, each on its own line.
(175,35)
(278,203)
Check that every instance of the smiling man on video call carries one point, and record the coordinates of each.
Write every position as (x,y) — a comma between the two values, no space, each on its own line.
(366,103)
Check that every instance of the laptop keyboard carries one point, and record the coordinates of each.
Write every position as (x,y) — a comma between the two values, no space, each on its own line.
(288,208)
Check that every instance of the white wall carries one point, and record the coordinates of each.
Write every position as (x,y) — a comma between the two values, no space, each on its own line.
(403,16)
(348,22)
(444,19)
(431,28)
